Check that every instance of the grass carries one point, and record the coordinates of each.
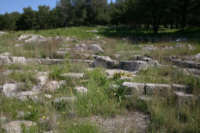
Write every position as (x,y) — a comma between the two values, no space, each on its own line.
(166,116)
(82,33)
(81,128)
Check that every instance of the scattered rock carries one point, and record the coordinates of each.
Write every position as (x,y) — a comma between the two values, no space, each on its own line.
(16,126)
(20,114)
(195,72)
(81,47)
(62,53)
(2,33)
(53,85)
(12,60)
(5,60)
(123,74)
(1,88)
(49,132)
(42,78)
(19,45)
(181,40)
(47,61)
(3,119)
(73,75)
(104,61)
(65,100)
(48,96)
(28,95)
(92,31)
(30,38)
(95,48)
(10,89)
(81,89)
(18,60)
(5,54)
(197,57)
(149,48)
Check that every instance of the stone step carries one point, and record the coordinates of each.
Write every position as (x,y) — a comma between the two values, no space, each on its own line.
(150,89)
(184,63)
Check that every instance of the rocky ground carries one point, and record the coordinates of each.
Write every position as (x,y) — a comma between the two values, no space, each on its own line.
(63,84)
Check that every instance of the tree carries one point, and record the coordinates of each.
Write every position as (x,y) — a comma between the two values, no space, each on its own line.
(43,17)
(8,21)
(27,20)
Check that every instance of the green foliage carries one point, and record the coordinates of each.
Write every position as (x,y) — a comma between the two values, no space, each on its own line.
(97,101)
(169,117)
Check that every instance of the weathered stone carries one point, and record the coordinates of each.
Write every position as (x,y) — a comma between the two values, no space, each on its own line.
(27,95)
(136,88)
(178,87)
(145,98)
(185,63)
(23,37)
(62,53)
(124,74)
(73,75)
(194,71)
(104,61)
(5,60)
(151,89)
(81,89)
(149,48)
(92,31)
(19,45)
(16,126)
(133,65)
(181,40)
(65,100)
(12,60)
(53,85)
(10,89)
(42,78)
(18,60)
(137,63)
(65,49)
(29,38)
(5,54)
(95,48)
(1,88)
(49,132)
(81,47)
(3,119)
(48,61)
(2,33)
(48,96)
(184,98)
(197,56)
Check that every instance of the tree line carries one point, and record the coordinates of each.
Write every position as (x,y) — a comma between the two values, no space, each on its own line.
(148,14)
